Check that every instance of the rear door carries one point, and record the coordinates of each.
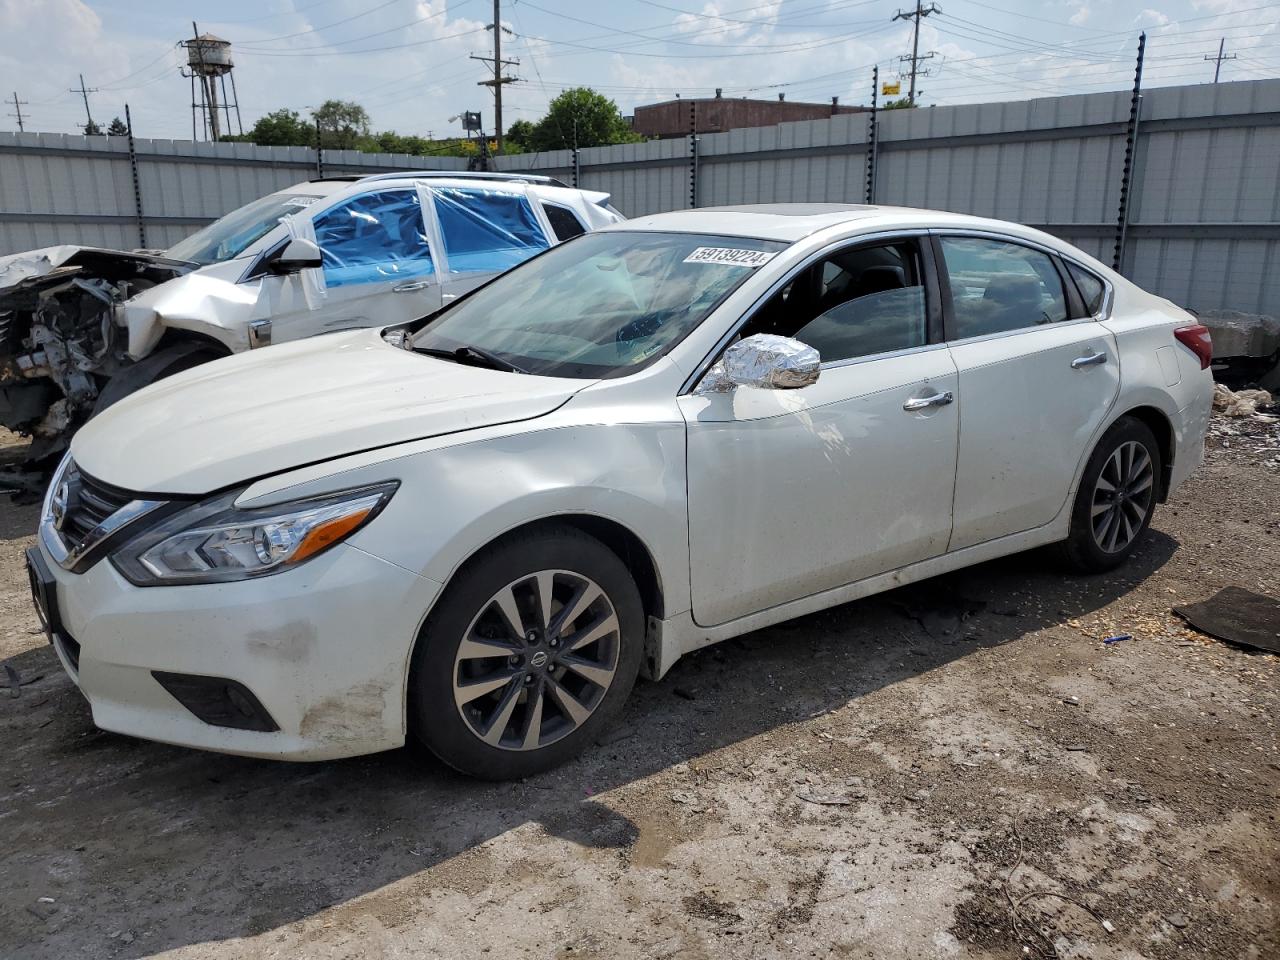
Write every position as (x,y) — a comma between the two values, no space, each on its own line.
(485,229)
(1036,381)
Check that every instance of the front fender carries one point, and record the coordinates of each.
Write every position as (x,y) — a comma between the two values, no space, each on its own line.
(212,307)
(456,499)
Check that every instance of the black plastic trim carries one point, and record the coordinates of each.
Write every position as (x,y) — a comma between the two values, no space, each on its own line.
(218,701)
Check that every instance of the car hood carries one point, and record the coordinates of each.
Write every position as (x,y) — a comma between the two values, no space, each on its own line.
(251,415)
(18,268)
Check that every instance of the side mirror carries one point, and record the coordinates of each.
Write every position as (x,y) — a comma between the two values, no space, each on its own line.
(297,255)
(764,361)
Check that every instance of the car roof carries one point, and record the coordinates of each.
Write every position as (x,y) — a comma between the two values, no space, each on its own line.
(790,222)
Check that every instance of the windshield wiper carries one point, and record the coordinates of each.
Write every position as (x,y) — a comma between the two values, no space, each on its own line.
(472,356)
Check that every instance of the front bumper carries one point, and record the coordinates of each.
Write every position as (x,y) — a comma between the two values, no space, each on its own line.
(323,648)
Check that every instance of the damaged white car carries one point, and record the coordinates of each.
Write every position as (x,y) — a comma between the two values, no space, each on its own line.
(477,531)
(81,327)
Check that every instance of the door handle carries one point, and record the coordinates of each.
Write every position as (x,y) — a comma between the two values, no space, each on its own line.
(924,403)
(411,286)
(1081,362)
(446,297)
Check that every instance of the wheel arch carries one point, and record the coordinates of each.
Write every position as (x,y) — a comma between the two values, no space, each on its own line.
(1158,422)
(626,545)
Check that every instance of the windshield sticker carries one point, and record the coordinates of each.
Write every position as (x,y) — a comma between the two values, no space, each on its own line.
(300,201)
(729,256)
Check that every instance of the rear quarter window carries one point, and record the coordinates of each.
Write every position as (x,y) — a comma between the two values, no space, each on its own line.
(1092,290)
(564,222)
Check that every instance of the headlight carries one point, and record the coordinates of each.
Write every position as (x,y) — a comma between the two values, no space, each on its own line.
(213,542)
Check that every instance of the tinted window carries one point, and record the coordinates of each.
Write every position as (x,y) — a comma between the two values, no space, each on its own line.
(601,305)
(372,238)
(228,237)
(486,230)
(855,303)
(998,286)
(1092,290)
(563,221)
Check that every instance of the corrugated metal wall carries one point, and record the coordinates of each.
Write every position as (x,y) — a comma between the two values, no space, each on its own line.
(58,188)
(1205,202)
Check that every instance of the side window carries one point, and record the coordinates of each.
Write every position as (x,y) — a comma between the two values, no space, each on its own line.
(486,230)
(998,286)
(1092,290)
(855,303)
(373,238)
(564,222)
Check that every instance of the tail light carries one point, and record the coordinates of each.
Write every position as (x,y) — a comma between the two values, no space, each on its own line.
(1196,339)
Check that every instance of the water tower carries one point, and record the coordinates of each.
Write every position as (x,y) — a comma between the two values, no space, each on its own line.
(209,65)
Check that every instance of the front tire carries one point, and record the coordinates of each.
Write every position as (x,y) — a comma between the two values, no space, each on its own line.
(530,652)
(1116,498)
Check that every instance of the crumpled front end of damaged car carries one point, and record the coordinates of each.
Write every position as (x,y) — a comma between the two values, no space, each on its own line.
(60,337)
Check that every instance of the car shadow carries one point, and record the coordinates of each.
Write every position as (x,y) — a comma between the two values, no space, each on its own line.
(169,847)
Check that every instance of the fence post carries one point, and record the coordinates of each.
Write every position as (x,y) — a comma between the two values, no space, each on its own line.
(577,169)
(1130,149)
(693,154)
(871,135)
(319,153)
(137,184)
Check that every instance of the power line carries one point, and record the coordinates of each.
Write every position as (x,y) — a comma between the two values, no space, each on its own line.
(499,81)
(84,92)
(1217,61)
(916,15)
(17,106)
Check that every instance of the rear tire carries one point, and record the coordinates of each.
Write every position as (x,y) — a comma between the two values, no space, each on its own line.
(1116,498)
(500,701)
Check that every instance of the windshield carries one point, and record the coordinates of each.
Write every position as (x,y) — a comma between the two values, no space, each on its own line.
(598,305)
(230,236)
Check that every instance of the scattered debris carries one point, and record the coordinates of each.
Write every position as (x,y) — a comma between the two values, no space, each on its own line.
(1237,616)
(1108,926)
(828,799)
(1177,920)
(1118,638)
(1239,403)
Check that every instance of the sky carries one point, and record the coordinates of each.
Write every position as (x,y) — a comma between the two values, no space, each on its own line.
(408,62)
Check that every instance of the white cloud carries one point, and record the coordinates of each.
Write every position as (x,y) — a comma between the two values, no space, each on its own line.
(1081,16)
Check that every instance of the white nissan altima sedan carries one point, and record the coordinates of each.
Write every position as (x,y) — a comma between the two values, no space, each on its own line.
(477,530)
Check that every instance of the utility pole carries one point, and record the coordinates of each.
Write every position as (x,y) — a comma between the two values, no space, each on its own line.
(1217,66)
(84,92)
(17,107)
(497,63)
(915,57)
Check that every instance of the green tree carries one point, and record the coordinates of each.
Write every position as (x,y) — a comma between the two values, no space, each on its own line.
(280,128)
(91,129)
(583,118)
(342,124)
(519,134)
(117,128)
(901,104)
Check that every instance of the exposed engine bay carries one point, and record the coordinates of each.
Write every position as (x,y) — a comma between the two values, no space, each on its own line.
(60,340)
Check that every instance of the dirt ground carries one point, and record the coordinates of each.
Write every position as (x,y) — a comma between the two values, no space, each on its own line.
(958,769)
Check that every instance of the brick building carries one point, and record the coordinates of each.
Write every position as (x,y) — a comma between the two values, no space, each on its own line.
(717,114)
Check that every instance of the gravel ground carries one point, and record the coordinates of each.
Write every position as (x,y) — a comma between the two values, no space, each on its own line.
(957,769)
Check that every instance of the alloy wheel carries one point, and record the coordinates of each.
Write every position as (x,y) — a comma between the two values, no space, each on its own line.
(1122,497)
(537,660)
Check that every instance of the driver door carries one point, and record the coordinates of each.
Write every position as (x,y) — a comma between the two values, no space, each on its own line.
(378,268)
(794,492)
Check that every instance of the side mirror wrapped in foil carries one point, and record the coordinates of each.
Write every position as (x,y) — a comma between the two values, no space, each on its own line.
(765,361)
